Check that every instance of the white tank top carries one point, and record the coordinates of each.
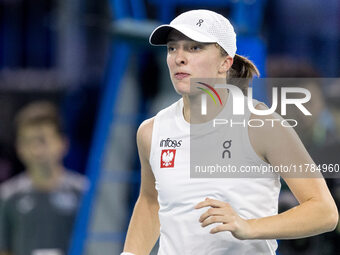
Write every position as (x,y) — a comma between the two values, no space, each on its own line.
(180,231)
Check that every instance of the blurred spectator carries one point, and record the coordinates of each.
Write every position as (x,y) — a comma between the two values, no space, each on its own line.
(38,207)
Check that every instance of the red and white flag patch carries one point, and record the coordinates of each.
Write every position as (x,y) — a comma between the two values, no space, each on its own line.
(168,158)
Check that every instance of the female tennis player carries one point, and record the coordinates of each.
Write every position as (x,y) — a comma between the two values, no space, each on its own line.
(221,216)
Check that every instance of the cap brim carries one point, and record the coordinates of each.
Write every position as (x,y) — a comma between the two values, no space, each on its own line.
(160,35)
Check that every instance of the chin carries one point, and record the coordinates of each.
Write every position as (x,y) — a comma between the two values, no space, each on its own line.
(182,88)
(186,91)
(182,92)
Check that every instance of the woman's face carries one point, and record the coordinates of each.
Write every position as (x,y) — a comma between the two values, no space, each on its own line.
(188,59)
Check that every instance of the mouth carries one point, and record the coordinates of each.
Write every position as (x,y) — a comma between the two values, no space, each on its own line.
(181,76)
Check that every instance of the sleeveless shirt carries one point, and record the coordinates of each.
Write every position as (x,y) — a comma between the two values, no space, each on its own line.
(178,193)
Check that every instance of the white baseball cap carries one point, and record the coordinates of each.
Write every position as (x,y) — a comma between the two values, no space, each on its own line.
(202,26)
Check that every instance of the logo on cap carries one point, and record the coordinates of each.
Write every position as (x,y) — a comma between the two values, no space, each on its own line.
(200,21)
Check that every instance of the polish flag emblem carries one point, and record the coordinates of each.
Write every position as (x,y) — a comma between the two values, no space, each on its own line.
(168,158)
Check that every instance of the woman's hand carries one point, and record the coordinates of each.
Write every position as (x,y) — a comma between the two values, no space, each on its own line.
(222,212)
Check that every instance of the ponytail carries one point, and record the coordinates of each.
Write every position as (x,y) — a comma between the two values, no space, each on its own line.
(242,72)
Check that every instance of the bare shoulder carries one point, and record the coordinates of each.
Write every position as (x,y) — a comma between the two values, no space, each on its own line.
(144,136)
(273,124)
(274,135)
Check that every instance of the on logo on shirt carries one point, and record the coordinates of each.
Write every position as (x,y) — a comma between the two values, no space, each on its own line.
(168,158)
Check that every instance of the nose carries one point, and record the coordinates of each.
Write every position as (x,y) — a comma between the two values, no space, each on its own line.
(181,58)
(38,149)
(37,152)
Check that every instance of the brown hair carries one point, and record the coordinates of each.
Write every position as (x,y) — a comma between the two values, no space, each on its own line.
(241,72)
(38,113)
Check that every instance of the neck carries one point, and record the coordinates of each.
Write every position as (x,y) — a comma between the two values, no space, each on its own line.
(46,177)
(192,107)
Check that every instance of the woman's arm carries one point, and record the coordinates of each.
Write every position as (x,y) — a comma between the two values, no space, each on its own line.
(144,226)
(316,212)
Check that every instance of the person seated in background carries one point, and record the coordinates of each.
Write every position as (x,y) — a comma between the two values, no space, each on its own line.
(38,207)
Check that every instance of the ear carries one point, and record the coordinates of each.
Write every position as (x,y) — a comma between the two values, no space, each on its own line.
(226,64)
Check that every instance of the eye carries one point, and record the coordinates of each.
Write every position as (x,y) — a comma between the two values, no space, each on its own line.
(170,48)
(196,47)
